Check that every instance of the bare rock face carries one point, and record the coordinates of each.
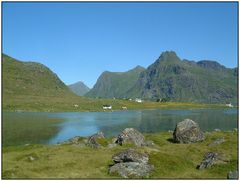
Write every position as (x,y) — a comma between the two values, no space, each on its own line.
(131,164)
(212,158)
(131,135)
(209,159)
(187,131)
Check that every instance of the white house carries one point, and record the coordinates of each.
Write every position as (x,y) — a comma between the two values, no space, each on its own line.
(138,100)
(107,107)
(229,105)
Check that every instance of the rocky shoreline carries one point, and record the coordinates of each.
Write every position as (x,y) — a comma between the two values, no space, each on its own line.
(131,163)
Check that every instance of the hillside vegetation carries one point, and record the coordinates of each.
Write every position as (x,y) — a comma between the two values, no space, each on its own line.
(115,84)
(182,80)
(30,78)
(30,86)
(173,79)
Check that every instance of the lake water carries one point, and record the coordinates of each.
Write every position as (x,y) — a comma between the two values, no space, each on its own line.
(51,128)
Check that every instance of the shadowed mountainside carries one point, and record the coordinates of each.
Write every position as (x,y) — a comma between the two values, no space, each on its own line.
(79,88)
(173,79)
(115,84)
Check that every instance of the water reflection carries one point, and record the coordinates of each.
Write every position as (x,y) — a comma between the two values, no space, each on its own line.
(50,128)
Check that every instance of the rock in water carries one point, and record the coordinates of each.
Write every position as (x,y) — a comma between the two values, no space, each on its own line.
(187,131)
(131,164)
(209,159)
(93,140)
(131,135)
(233,175)
(130,155)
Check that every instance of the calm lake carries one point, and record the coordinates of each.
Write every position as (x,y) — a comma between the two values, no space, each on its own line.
(50,128)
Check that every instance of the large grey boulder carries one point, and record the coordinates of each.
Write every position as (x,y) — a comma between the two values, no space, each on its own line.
(130,155)
(130,135)
(131,164)
(187,131)
(93,140)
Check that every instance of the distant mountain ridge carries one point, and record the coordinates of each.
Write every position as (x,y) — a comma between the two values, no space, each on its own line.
(174,79)
(115,84)
(79,88)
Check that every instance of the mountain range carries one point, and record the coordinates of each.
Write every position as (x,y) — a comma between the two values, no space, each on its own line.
(79,88)
(31,84)
(173,79)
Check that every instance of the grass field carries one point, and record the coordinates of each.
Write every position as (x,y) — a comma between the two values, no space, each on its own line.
(171,160)
(66,104)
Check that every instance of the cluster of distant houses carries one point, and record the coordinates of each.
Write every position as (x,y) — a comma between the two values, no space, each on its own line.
(109,107)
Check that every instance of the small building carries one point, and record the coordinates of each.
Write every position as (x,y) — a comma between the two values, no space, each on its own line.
(138,100)
(229,105)
(107,107)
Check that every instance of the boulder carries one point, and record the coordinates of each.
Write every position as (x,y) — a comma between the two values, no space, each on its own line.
(187,131)
(209,159)
(130,135)
(217,142)
(131,169)
(131,164)
(93,140)
(233,175)
(130,155)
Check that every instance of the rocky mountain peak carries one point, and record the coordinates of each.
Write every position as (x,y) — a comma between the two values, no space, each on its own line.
(169,56)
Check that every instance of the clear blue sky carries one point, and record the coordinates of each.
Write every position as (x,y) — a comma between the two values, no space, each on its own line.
(79,41)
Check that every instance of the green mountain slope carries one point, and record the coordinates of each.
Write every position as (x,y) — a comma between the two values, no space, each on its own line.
(79,88)
(30,78)
(31,86)
(115,84)
(186,81)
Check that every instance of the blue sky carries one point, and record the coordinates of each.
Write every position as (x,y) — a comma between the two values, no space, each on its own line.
(79,41)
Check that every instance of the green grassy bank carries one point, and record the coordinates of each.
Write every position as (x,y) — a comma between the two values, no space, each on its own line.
(170,160)
(67,104)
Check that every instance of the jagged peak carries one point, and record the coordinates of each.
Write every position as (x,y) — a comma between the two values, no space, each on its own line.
(169,56)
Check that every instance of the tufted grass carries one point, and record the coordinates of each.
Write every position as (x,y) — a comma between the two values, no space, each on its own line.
(171,160)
